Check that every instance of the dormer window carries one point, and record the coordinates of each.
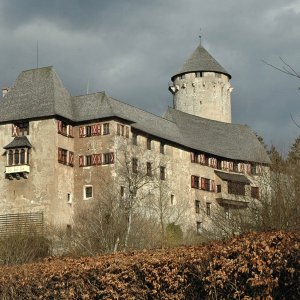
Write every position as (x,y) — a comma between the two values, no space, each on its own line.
(20,129)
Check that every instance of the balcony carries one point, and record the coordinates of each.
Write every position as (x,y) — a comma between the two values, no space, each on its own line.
(231,200)
(17,171)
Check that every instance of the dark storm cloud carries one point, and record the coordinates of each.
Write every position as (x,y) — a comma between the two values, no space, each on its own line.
(132,48)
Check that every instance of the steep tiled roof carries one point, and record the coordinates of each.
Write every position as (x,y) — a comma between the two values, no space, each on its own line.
(201,60)
(233,141)
(18,142)
(40,93)
(36,93)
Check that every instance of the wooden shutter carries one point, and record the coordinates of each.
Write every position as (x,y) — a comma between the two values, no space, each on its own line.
(202,183)
(14,130)
(71,158)
(98,129)
(94,159)
(111,157)
(193,181)
(99,159)
(70,133)
(94,130)
(81,161)
(212,186)
(59,126)
(81,131)
(59,154)
(127,131)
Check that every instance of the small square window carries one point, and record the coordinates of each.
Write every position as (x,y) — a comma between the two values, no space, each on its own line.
(149,143)
(162,173)
(162,148)
(134,139)
(208,206)
(199,227)
(197,206)
(88,192)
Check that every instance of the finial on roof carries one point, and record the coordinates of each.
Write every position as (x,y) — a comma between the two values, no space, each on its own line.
(200,36)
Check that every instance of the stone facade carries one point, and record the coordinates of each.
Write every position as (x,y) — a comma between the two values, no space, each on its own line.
(77,146)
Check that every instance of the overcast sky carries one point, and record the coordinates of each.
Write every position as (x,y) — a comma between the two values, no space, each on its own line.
(131,48)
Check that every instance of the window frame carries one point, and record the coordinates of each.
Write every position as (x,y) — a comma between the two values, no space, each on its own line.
(85,196)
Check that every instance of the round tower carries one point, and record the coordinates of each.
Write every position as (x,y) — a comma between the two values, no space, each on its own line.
(202,87)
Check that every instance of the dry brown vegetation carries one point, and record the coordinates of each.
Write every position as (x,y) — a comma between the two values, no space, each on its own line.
(253,266)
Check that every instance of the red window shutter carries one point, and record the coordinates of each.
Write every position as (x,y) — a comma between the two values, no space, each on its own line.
(81,131)
(112,157)
(98,129)
(59,155)
(15,130)
(127,131)
(70,130)
(94,130)
(193,181)
(94,159)
(59,126)
(202,183)
(71,158)
(81,161)
(99,159)
(212,186)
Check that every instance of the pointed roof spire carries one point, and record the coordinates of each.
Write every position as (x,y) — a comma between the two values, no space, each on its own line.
(199,61)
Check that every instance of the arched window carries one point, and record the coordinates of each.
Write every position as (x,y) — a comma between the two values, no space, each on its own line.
(17,158)
(22,157)
(10,157)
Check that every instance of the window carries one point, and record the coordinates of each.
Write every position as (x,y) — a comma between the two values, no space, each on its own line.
(172,199)
(88,160)
(148,143)
(182,76)
(205,184)
(22,156)
(105,128)
(219,188)
(149,169)
(197,206)
(69,231)
(17,157)
(208,205)
(198,74)
(255,192)
(88,192)
(106,159)
(134,165)
(236,188)
(122,191)
(134,139)
(227,213)
(162,148)
(69,198)
(195,182)
(88,131)
(20,129)
(235,167)
(199,227)
(162,173)
(10,157)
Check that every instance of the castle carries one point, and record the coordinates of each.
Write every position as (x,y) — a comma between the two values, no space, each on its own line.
(58,150)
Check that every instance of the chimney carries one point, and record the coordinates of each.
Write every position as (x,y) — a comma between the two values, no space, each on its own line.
(4,91)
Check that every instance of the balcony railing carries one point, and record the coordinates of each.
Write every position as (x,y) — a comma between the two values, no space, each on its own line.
(17,169)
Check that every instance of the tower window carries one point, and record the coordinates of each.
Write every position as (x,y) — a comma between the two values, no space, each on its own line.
(182,76)
(199,74)
(148,143)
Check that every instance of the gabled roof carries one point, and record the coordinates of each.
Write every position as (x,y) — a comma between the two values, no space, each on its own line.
(36,93)
(233,141)
(18,142)
(201,60)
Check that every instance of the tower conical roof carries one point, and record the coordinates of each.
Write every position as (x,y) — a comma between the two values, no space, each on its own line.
(201,60)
